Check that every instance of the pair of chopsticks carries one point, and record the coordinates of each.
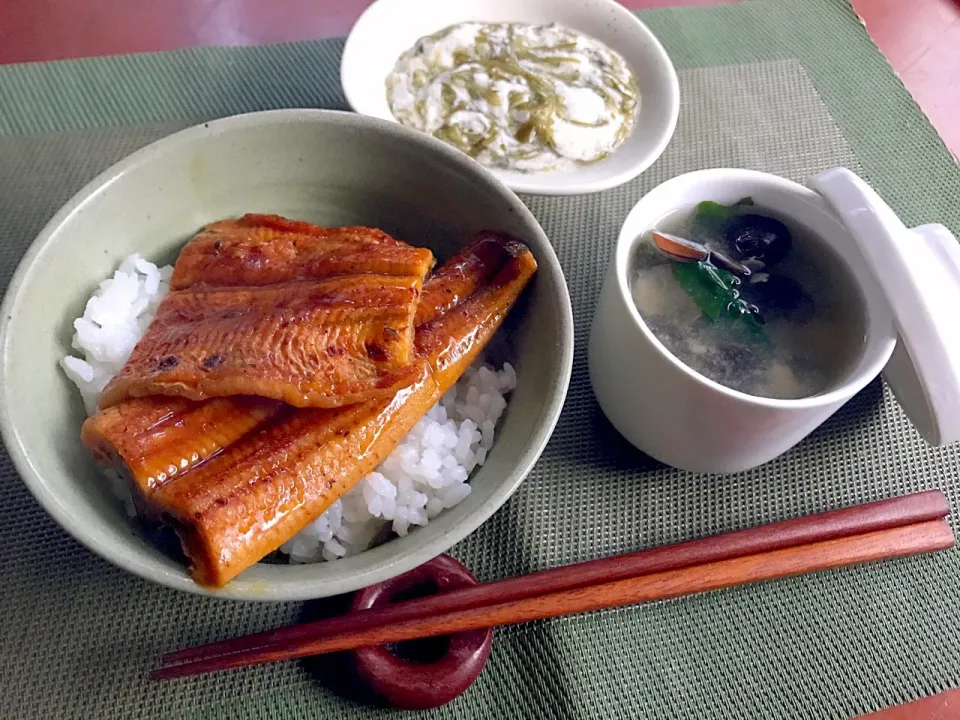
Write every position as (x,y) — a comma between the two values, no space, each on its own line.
(880,530)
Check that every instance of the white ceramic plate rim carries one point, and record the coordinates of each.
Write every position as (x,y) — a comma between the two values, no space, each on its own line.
(259,589)
(547,183)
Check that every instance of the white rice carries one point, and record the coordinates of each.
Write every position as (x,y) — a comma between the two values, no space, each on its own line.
(113,321)
(426,473)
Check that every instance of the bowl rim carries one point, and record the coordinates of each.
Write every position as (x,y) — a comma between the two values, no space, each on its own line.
(880,316)
(260,589)
(353,54)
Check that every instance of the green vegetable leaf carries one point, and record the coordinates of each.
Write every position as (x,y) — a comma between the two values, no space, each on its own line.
(715,293)
(711,296)
(712,216)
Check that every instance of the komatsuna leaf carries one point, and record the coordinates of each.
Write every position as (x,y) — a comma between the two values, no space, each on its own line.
(709,216)
(715,292)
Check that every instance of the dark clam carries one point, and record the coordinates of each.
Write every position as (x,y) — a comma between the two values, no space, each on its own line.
(778,295)
(760,238)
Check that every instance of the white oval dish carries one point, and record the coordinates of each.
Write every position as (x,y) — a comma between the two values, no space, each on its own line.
(390,27)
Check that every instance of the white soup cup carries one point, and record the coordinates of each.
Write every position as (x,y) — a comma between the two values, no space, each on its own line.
(673,413)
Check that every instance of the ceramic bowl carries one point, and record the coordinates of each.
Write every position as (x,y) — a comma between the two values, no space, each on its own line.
(673,413)
(390,27)
(327,167)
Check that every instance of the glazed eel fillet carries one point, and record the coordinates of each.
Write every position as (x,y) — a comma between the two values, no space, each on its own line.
(262,490)
(151,440)
(315,317)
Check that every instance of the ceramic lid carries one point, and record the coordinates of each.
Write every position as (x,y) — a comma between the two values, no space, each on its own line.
(919,271)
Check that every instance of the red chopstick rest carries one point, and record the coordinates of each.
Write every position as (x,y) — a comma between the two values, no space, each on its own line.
(412,685)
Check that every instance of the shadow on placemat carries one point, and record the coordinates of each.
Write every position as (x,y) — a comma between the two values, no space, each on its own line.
(335,671)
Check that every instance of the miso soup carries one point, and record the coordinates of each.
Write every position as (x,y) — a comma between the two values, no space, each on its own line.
(749,299)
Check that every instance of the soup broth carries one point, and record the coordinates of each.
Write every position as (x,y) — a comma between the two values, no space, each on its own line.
(788,323)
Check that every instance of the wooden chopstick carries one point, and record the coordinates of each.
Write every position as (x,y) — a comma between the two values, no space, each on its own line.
(883,544)
(855,523)
(879,515)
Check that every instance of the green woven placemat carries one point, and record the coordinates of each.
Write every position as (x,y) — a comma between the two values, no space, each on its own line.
(787,87)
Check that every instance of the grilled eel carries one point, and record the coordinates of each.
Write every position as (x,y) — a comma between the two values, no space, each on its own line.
(259,492)
(153,439)
(315,317)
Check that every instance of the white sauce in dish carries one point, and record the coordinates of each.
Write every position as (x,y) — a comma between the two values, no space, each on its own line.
(517,97)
